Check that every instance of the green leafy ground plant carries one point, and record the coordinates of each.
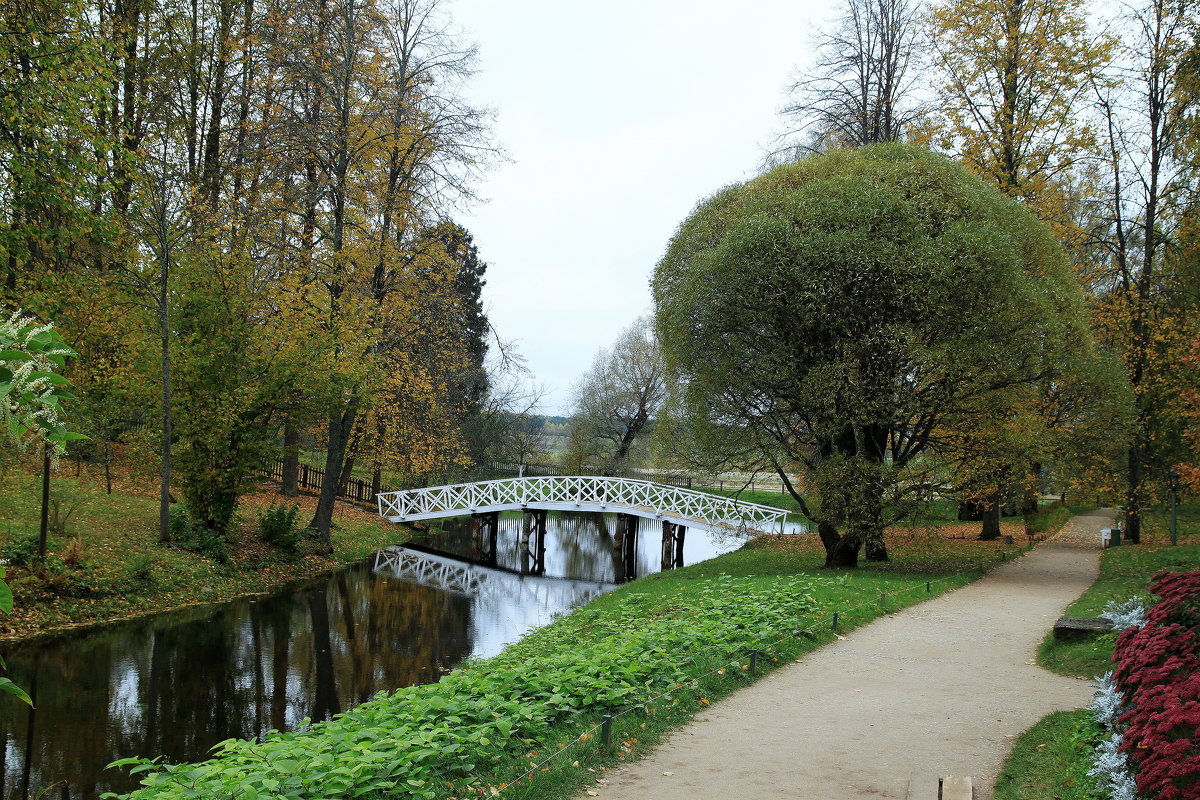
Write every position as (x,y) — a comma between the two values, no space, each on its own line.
(528,723)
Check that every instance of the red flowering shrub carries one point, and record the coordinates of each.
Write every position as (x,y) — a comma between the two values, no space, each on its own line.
(1158,672)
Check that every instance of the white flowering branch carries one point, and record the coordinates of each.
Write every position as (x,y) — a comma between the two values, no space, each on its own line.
(31,389)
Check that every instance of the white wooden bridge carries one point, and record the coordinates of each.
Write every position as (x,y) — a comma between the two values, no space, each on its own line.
(686,507)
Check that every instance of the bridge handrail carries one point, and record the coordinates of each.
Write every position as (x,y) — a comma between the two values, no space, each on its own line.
(709,508)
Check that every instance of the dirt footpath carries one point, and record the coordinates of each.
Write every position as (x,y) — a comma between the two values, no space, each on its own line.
(939,688)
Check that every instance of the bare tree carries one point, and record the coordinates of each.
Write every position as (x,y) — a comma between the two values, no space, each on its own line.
(506,426)
(616,400)
(860,91)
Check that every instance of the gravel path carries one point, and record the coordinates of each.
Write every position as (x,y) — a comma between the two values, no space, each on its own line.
(940,688)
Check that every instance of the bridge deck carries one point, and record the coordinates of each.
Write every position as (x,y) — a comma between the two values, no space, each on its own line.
(582,493)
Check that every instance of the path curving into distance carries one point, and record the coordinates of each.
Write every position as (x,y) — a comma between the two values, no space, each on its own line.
(940,688)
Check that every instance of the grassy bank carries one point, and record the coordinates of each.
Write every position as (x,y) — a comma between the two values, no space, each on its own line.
(942,513)
(1124,572)
(104,564)
(1051,759)
(528,722)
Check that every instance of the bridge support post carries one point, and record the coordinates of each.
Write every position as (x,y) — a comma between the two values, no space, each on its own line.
(672,545)
(626,541)
(533,543)
(486,530)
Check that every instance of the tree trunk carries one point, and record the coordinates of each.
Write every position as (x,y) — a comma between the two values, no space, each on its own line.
(870,525)
(340,425)
(45,525)
(991,519)
(876,548)
(351,457)
(1029,497)
(164,488)
(289,482)
(970,511)
(840,551)
(1133,498)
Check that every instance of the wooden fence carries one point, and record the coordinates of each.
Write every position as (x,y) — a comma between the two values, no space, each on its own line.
(311,479)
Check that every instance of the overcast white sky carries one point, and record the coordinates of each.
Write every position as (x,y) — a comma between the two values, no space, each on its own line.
(618,117)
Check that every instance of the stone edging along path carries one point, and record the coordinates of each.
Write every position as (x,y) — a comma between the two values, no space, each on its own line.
(940,688)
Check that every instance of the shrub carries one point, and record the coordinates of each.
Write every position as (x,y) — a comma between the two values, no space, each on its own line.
(59,579)
(1158,671)
(62,506)
(191,534)
(1125,615)
(277,526)
(74,553)
(141,567)
(22,550)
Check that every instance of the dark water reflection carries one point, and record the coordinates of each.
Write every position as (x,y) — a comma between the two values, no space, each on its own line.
(176,684)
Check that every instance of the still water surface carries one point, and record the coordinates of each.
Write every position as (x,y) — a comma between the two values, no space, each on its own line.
(176,684)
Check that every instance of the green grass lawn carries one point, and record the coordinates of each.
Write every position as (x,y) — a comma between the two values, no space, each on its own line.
(1125,572)
(105,564)
(1051,759)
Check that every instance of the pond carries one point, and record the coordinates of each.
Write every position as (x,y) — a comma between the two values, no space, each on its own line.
(175,684)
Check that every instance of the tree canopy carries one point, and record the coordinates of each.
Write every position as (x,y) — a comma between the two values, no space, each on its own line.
(849,313)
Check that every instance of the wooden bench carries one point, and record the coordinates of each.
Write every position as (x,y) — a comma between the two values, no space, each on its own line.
(1080,627)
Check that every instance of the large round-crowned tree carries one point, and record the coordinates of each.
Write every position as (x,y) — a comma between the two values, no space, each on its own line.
(846,315)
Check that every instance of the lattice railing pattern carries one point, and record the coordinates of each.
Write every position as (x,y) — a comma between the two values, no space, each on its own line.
(429,571)
(585,492)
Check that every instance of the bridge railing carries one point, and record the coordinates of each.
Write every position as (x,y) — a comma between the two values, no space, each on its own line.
(584,491)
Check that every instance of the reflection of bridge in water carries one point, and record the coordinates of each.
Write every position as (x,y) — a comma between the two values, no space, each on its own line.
(501,599)
(677,508)
(463,577)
